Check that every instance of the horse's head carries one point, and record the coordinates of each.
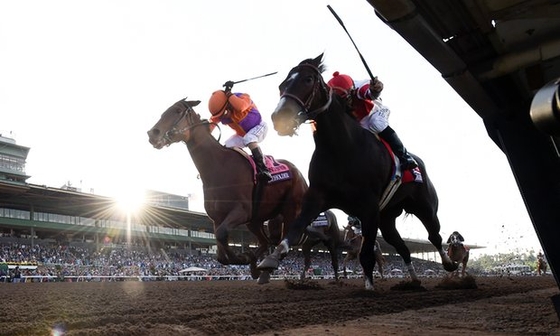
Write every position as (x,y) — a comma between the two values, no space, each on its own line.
(303,95)
(174,123)
(455,239)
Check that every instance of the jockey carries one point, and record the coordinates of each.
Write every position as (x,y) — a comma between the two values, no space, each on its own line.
(355,224)
(238,111)
(370,112)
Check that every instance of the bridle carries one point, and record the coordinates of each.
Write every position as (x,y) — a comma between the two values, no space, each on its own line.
(187,113)
(318,86)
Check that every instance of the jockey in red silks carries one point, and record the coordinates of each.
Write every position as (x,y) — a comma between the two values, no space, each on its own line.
(363,97)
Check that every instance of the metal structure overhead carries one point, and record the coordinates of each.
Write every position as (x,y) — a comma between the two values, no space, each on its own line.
(503,58)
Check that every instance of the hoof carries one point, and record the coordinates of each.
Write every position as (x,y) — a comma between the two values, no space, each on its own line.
(269,263)
(264,278)
(255,273)
(368,285)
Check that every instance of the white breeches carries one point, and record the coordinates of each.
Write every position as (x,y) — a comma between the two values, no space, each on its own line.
(378,119)
(255,134)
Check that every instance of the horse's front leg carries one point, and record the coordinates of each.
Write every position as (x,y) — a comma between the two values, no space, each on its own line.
(294,237)
(226,255)
(344,261)
(306,250)
(367,251)
(367,260)
(312,205)
(257,228)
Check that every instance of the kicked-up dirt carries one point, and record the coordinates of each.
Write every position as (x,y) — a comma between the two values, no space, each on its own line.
(480,306)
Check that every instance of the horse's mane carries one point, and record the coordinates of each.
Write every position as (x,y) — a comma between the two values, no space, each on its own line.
(315,62)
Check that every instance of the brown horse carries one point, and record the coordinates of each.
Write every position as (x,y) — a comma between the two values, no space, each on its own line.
(458,252)
(229,188)
(541,265)
(351,170)
(353,239)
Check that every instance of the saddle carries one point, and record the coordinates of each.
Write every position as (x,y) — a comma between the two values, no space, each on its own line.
(279,171)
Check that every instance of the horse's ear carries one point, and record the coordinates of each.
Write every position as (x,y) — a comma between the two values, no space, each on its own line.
(318,61)
(193,103)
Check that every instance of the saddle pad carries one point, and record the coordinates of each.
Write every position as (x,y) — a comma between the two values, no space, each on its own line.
(320,221)
(279,171)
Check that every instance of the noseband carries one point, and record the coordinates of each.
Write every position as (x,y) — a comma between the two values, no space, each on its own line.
(318,86)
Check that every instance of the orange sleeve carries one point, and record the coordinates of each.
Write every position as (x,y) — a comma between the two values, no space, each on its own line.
(240,106)
(240,103)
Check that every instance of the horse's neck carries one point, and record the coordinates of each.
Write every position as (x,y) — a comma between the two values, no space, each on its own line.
(338,132)
(205,152)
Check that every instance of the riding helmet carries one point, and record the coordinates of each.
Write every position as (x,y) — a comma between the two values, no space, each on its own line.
(217,103)
(341,84)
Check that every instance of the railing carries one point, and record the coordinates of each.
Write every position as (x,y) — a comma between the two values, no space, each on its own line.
(117,278)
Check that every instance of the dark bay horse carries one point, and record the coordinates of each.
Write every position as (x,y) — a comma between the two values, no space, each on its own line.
(228,183)
(458,252)
(350,169)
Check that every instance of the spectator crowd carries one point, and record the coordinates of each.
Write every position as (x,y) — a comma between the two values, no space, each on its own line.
(52,261)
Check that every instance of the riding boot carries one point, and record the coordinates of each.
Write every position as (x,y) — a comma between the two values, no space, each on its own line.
(263,173)
(407,161)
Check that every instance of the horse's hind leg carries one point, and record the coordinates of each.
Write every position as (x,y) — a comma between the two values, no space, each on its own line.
(391,235)
(428,217)
(465,261)
(306,250)
(334,258)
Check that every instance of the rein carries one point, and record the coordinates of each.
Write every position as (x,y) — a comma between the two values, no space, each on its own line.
(187,113)
(319,84)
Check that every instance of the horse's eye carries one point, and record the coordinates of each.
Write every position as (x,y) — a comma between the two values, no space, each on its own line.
(309,80)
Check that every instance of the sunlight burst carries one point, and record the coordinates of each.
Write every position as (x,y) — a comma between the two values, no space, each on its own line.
(131,199)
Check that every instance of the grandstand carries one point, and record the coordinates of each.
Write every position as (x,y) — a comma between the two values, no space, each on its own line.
(67,214)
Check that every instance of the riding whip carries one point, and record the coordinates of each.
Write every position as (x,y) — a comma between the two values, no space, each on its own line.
(359,53)
(229,84)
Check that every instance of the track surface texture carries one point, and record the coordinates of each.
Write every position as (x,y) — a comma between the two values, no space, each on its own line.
(486,306)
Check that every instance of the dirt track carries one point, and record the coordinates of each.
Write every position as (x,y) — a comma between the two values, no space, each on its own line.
(507,306)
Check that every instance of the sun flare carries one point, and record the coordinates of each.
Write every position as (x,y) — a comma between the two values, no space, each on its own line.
(131,200)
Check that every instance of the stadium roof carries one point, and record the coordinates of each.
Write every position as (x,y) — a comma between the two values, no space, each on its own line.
(40,198)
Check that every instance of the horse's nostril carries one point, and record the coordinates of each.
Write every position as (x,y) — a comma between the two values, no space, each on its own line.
(153,132)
